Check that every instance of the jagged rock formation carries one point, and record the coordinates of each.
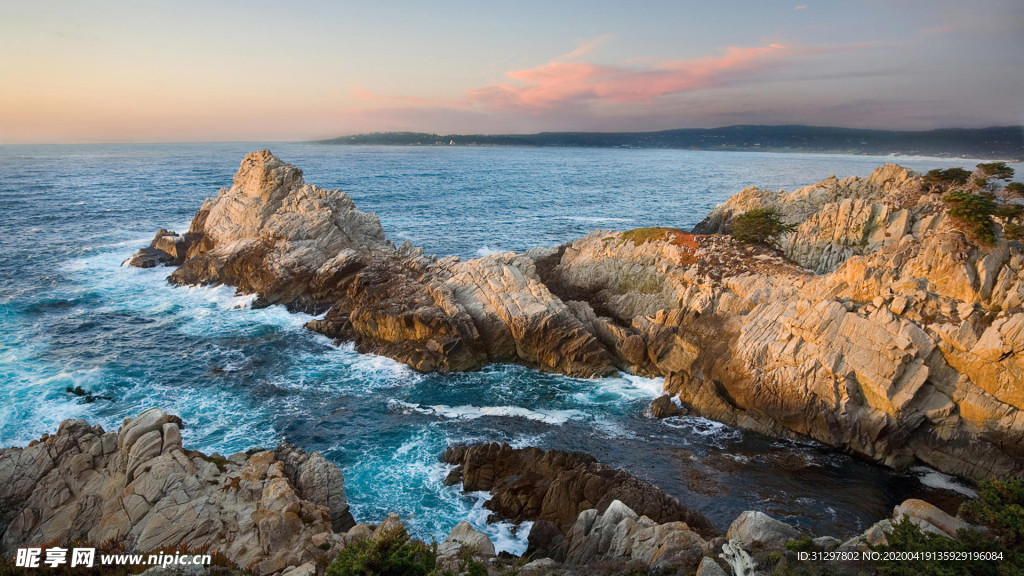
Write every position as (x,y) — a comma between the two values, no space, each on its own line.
(877,328)
(292,243)
(261,510)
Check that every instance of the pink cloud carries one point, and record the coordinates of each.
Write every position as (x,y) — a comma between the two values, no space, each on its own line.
(557,83)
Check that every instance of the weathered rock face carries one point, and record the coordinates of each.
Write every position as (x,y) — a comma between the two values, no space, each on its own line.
(619,533)
(272,234)
(140,485)
(555,486)
(906,348)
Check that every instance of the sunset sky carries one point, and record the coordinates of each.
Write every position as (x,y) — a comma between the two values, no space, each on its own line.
(144,71)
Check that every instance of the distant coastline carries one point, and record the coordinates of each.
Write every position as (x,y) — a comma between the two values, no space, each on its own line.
(1002,143)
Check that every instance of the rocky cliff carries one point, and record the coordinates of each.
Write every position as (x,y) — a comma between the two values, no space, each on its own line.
(876,327)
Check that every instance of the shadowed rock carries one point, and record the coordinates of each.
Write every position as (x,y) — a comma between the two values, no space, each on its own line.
(556,486)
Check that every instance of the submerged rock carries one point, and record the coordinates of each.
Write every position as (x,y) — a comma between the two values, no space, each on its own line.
(140,486)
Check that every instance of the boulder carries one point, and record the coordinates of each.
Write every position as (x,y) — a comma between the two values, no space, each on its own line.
(708,567)
(928,517)
(464,541)
(757,528)
(664,407)
(619,534)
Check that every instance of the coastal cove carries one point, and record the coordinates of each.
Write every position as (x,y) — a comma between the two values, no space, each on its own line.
(242,377)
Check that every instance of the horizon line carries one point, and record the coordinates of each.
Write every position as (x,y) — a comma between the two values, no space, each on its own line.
(492,134)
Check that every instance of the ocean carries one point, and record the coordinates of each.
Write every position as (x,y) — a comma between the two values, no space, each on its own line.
(72,316)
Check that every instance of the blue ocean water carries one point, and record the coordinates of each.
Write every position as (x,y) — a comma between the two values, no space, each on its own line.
(71,315)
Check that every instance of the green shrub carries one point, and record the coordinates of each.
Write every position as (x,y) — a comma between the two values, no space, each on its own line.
(974,212)
(997,170)
(1014,190)
(1010,211)
(949,177)
(393,554)
(759,226)
(1013,232)
(802,545)
(1000,508)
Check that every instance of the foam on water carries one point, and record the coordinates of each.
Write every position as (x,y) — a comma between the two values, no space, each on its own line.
(935,479)
(553,417)
(410,481)
(488,251)
(715,433)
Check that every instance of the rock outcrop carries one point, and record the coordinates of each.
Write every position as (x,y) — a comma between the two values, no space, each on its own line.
(140,486)
(619,533)
(905,347)
(292,243)
(876,327)
(556,486)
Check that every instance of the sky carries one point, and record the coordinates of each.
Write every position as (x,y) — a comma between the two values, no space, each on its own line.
(192,71)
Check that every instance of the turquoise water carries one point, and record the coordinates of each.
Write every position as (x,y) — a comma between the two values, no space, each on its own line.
(71,315)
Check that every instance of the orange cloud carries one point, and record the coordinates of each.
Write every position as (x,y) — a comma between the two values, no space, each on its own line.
(557,83)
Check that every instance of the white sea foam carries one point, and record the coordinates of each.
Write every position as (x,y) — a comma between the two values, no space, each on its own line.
(488,251)
(410,479)
(709,430)
(554,417)
(506,536)
(935,479)
(595,219)
(615,390)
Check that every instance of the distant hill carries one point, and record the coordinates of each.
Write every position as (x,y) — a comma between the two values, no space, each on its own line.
(1004,142)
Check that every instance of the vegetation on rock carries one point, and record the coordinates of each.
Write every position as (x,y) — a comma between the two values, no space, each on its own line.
(998,511)
(759,226)
(974,206)
(974,212)
(393,553)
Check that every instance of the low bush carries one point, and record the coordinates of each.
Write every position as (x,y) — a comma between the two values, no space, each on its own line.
(394,553)
(759,226)
(974,212)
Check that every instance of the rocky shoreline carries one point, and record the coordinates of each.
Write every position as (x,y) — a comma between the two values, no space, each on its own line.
(877,326)
(283,511)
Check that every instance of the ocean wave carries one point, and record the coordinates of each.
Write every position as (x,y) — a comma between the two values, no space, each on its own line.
(488,251)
